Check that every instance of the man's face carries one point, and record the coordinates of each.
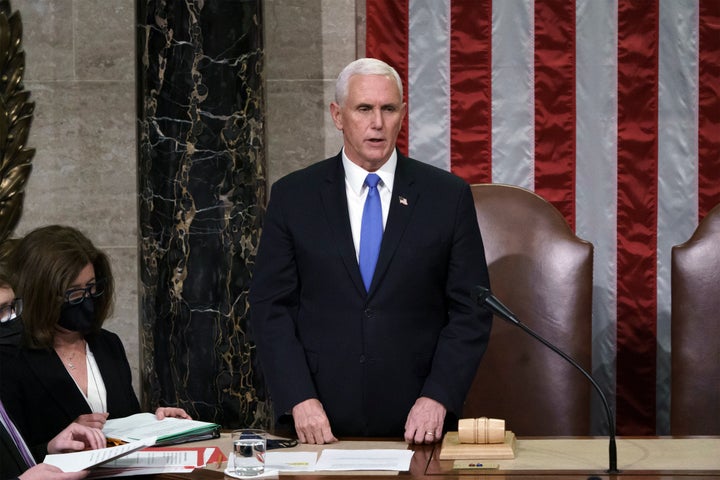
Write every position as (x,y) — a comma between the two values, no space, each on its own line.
(370,119)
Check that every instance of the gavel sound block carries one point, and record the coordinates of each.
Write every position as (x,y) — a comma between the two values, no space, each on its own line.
(478,439)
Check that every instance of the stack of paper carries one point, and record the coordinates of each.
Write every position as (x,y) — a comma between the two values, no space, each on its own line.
(169,431)
(152,461)
(135,459)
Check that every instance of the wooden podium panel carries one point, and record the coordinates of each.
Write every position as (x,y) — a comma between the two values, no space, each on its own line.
(677,456)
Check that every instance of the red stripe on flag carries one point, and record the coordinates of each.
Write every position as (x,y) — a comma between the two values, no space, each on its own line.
(637,215)
(471,90)
(387,39)
(709,108)
(555,104)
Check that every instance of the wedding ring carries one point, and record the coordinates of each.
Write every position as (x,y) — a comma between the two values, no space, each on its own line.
(430,433)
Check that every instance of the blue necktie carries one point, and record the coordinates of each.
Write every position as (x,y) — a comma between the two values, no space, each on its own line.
(371,230)
(16,437)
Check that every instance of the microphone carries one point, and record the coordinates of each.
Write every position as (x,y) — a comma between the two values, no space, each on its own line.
(485,298)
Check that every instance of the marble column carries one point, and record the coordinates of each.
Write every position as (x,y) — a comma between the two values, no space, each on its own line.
(201,187)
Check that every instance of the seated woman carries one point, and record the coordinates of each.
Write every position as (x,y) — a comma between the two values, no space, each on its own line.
(68,368)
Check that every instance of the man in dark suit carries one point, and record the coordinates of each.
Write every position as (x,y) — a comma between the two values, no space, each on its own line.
(16,460)
(393,352)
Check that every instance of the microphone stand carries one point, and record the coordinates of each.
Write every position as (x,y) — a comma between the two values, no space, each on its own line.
(486,299)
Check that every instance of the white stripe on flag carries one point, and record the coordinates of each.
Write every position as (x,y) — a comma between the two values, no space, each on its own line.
(596,178)
(513,93)
(429,75)
(677,166)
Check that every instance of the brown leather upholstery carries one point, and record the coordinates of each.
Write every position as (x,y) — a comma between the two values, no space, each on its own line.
(695,330)
(543,272)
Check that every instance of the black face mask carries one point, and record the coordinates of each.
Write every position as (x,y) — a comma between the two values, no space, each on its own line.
(79,317)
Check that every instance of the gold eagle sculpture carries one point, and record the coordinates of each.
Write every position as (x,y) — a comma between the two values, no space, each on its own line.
(16,113)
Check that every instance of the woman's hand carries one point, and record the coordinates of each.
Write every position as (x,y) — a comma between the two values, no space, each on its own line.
(174,412)
(93,420)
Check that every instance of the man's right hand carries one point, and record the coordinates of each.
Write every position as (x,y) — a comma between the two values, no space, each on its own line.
(43,471)
(76,437)
(311,423)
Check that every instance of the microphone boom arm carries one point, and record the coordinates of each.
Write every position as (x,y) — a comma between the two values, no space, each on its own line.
(485,298)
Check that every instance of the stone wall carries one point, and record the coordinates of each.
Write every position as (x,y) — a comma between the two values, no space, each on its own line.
(80,69)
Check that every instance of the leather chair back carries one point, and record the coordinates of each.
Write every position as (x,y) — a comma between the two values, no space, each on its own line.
(543,272)
(695,331)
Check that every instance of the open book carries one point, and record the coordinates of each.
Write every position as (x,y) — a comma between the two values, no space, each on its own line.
(169,431)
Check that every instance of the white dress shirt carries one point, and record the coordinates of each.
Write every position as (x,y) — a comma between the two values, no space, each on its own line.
(357,191)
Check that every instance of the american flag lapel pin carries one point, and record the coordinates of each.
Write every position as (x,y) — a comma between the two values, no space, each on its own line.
(403,200)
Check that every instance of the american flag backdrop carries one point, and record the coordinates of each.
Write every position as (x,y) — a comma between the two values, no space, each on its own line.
(609,109)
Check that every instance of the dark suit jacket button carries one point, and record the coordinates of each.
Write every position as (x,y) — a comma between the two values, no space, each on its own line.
(362,359)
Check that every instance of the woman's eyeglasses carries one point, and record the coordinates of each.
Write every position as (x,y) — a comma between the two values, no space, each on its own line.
(8,311)
(74,296)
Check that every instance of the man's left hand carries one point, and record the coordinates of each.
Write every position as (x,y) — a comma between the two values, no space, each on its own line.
(425,421)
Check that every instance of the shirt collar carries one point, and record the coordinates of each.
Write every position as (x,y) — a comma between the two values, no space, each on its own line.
(355,175)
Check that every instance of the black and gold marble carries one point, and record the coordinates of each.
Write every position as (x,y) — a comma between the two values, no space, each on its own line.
(201,187)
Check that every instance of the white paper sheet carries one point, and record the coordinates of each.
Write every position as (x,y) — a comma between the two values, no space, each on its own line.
(291,461)
(378,459)
(76,461)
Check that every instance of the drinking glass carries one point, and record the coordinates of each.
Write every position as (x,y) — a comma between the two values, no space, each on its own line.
(249,451)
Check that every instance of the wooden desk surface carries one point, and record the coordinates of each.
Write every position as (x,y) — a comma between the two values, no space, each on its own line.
(661,458)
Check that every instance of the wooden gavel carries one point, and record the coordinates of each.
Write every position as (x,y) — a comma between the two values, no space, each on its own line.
(481,430)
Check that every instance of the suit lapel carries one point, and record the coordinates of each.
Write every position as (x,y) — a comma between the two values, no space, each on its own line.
(57,381)
(10,454)
(334,200)
(403,201)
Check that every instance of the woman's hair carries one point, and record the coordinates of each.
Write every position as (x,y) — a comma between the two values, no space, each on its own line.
(364,66)
(44,264)
(5,281)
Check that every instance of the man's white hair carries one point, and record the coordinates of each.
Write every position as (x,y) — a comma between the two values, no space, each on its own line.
(364,66)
